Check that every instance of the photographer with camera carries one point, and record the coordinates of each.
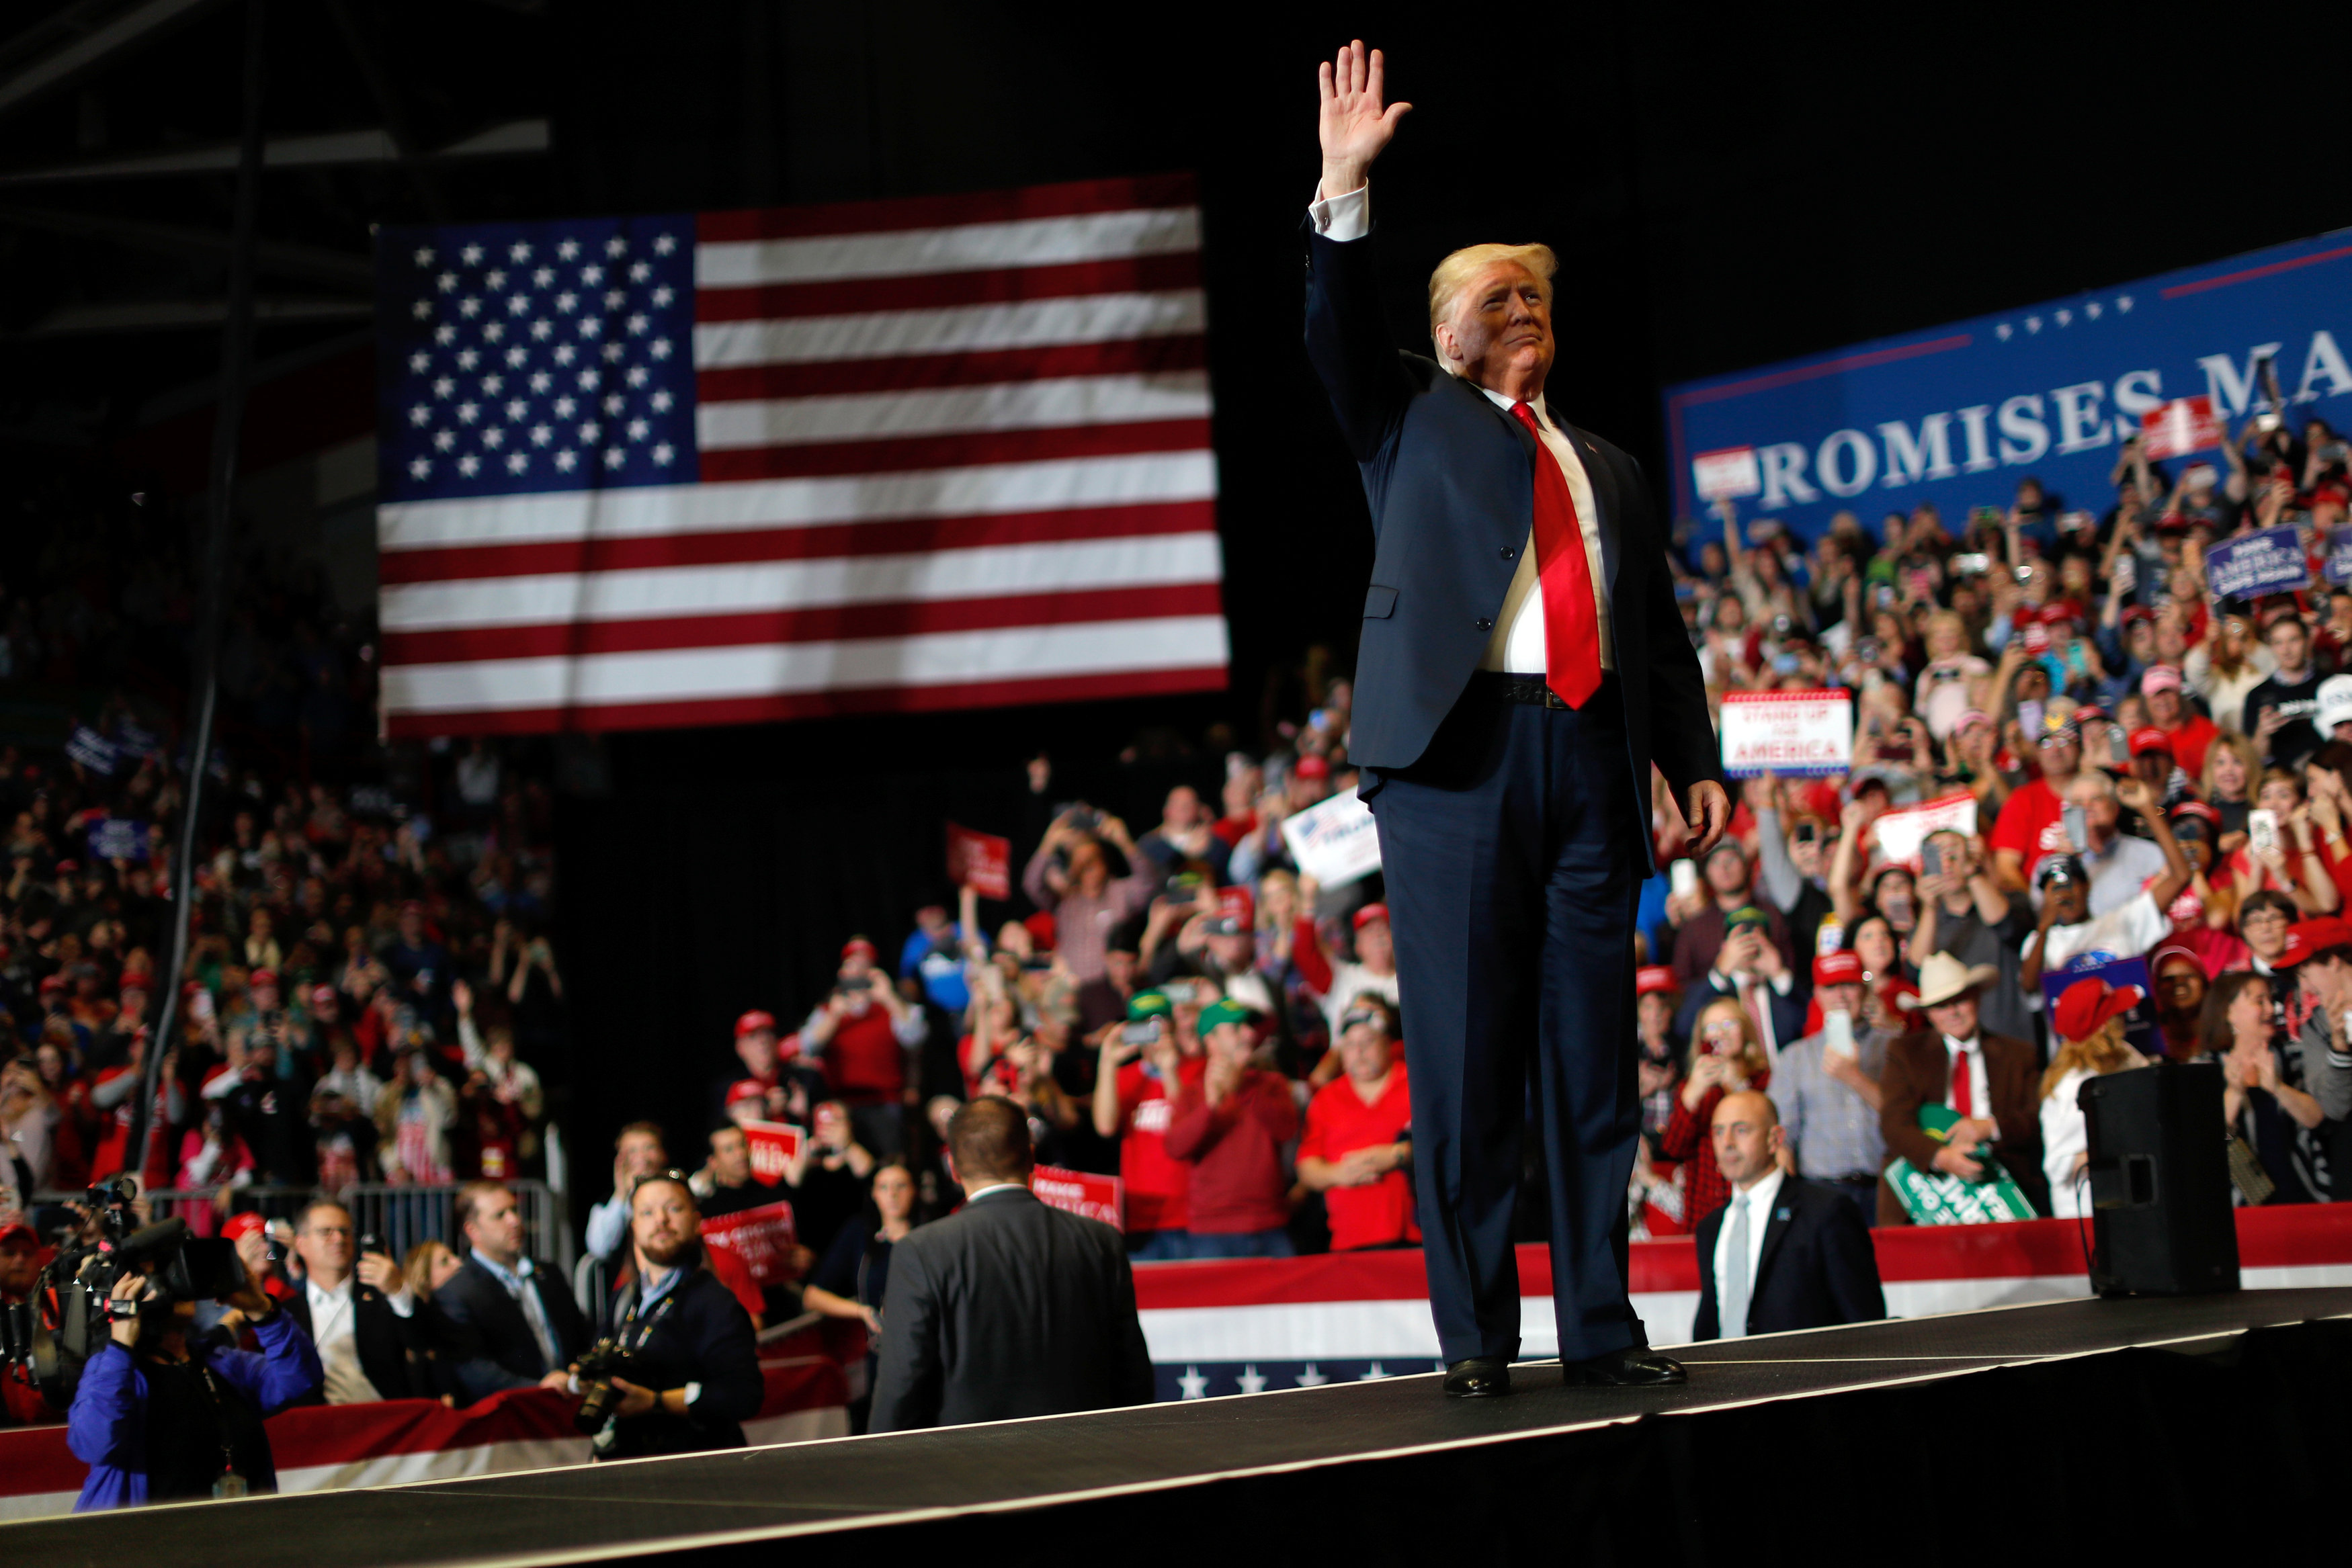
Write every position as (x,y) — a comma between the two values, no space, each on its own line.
(677,1368)
(162,1414)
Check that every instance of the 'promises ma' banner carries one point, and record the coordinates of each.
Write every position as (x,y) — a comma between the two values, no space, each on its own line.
(1957,414)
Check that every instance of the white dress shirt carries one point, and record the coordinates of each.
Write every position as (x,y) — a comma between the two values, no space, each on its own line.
(333,1329)
(1967,1055)
(1517,644)
(1759,1200)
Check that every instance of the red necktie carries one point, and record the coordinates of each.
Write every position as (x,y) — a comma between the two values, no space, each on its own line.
(1963,1092)
(1571,620)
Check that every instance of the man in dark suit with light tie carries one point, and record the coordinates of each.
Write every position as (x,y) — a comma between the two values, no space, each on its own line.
(1784,1253)
(1005,1308)
(1521,666)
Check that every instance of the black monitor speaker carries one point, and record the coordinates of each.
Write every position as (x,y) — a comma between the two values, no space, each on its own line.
(2161,1223)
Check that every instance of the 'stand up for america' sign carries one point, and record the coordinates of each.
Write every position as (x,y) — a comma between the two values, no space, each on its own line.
(735,466)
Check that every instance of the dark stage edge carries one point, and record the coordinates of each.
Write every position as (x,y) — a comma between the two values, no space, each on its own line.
(2101,1422)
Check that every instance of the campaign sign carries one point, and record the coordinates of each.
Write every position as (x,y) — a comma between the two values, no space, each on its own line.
(2339,567)
(2184,425)
(774,1146)
(1901,832)
(1082,1193)
(2269,561)
(762,1238)
(93,751)
(2139,1024)
(118,839)
(1957,414)
(1719,476)
(1333,840)
(980,860)
(1798,734)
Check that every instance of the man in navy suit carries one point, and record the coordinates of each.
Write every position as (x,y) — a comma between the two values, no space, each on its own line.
(1522,665)
(1784,1253)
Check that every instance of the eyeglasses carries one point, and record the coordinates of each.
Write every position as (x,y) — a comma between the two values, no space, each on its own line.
(2262,917)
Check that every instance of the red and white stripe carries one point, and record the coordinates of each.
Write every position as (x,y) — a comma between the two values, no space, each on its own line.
(954,452)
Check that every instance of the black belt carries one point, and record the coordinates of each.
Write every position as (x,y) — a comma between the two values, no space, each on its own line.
(1529,690)
(1854,1178)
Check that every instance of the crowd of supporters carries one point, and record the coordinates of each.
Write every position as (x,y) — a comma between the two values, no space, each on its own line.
(2121,766)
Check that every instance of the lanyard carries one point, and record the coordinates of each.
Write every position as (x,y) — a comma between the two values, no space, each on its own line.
(628,1320)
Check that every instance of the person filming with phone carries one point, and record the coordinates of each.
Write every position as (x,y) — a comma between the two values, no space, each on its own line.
(164,1414)
(866,1033)
(2068,926)
(357,1307)
(1826,1086)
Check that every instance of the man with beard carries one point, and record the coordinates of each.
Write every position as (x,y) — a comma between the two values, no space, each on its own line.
(692,1368)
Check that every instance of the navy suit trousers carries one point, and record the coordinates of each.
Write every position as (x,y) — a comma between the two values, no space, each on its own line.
(1513,855)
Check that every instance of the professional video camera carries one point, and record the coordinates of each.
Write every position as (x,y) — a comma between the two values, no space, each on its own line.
(599,1365)
(46,1339)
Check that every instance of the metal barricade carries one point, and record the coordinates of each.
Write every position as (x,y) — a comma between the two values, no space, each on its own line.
(404,1216)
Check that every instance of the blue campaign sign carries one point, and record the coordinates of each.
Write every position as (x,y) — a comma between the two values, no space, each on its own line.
(1957,414)
(2339,567)
(2270,562)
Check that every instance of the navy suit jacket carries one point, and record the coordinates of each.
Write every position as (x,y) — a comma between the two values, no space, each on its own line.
(492,1346)
(1818,1267)
(1451,482)
(1008,1307)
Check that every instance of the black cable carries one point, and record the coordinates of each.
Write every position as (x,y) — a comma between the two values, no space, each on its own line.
(236,357)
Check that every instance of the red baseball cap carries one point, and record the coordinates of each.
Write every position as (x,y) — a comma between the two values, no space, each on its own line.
(1654,978)
(1237,902)
(321,996)
(753,1021)
(2199,809)
(1370,913)
(860,945)
(1839,968)
(2149,738)
(744,1088)
(2306,938)
(1312,767)
(1041,929)
(2167,953)
(242,1225)
(262,978)
(17,1231)
(2087,1003)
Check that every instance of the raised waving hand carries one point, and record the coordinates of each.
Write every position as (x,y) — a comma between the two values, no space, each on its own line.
(1355,125)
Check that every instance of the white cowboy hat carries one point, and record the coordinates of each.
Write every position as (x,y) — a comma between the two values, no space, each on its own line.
(1942,977)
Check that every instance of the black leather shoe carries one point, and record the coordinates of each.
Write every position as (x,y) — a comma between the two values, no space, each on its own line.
(1638,1366)
(1479,1377)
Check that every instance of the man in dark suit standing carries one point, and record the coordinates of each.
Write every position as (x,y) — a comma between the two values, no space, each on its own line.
(511,1318)
(1005,1308)
(1784,1253)
(1989,1080)
(1522,665)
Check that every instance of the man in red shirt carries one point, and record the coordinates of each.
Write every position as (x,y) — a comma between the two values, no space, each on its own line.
(1144,1062)
(1231,1126)
(864,1030)
(1358,1149)
(2032,822)
(2191,731)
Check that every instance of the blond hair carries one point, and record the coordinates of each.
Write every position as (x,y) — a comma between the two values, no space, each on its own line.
(1453,275)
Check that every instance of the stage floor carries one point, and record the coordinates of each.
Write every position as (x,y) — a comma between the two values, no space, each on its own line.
(709,1503)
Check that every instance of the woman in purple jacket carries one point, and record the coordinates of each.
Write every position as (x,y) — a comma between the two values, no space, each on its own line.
(162,1415)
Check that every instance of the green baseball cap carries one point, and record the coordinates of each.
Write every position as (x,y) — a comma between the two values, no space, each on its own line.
(1223,1011)
(1149,1005)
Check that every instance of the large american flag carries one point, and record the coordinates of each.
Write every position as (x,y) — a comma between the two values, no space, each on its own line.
(736,466)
